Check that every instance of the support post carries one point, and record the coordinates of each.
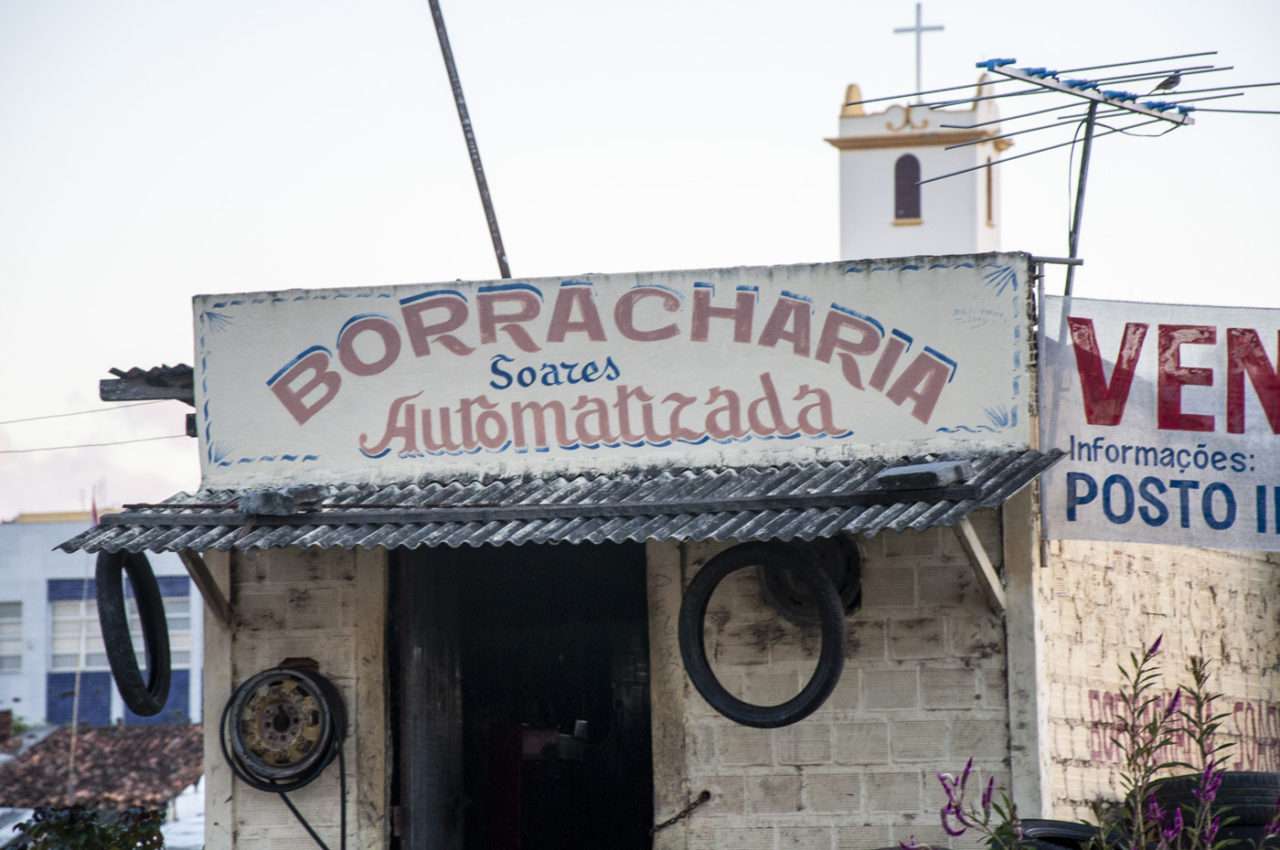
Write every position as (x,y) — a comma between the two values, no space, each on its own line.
(988,581)
(213,595)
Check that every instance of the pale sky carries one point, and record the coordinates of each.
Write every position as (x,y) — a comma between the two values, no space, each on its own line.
(150,151)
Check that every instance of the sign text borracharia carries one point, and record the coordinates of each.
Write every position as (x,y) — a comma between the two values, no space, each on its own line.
(731,367)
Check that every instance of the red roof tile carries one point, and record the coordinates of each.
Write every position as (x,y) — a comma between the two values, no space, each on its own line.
(115,767)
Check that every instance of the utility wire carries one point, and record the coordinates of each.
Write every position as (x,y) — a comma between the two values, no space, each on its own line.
(89,445)
(80,412)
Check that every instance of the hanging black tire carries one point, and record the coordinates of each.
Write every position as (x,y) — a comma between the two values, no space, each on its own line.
(693,612)
(145,698)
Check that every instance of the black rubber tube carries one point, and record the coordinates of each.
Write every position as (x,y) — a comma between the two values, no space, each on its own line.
(693,612)
(145,698)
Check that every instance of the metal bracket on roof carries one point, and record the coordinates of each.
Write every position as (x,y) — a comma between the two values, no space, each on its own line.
(988,581)
(209,589)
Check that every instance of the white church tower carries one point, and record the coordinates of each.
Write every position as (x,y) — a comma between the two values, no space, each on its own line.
(884,212)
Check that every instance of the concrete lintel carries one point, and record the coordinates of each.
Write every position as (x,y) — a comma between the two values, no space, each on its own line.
(988,581)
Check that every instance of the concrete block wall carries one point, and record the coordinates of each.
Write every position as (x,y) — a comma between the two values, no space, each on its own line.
(923,690)
(329,605)
(1100,601)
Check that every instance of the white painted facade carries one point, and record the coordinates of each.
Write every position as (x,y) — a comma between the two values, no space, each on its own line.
(960,214)
(28,562)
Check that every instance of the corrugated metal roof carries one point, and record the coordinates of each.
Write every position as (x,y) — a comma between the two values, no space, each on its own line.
(798,501)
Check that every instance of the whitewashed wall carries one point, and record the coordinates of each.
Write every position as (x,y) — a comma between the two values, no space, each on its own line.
(329,605)
(923,690)
(1103,600)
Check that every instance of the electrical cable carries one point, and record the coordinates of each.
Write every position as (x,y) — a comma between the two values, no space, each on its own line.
(80,412)
(262,777)
(89,445)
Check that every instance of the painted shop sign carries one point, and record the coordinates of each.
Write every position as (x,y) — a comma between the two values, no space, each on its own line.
(716,367)
(1169,416)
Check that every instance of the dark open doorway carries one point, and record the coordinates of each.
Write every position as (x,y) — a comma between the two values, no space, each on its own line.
(522,697)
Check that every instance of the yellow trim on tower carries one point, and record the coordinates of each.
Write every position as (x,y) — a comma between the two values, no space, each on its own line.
(907,140)
(852,94)
(907,222)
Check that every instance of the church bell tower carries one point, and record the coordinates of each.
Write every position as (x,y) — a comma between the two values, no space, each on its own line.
(885,212)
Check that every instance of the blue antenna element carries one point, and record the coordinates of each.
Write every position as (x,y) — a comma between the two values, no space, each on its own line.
(1172,111)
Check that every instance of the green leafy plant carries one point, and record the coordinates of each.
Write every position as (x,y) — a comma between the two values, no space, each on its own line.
(80,828)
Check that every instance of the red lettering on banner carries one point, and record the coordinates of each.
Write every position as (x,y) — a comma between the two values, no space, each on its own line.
(1104,402)
(1173,376)
(1246,356)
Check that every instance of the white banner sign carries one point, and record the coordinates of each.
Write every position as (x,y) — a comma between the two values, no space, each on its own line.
(718,367)
(1168,415)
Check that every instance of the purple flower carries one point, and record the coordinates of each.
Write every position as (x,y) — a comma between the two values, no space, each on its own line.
(1154,812)
(909,844)
(1210,782)
(986,795)
(960,827)
(1211,830)
(1173,703)
(1173,829)
(949,786)
(1155,647)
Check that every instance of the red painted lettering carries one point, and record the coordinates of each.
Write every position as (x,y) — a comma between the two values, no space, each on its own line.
(1173,376)
(624,314)
(351,356)
(526,306)
(582,298)
(300,399)
(740,313)
(1104,403)
(1246,356)
(421,334)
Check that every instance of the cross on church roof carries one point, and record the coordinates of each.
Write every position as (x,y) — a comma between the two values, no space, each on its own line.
(918,29)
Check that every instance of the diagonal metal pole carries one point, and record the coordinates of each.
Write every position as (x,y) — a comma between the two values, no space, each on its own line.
(465,118)
(1074,239)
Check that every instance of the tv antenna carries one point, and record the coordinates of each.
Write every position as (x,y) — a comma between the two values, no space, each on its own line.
(1107,100)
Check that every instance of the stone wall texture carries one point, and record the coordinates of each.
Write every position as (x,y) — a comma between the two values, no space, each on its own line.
(1101,601)
(923,690)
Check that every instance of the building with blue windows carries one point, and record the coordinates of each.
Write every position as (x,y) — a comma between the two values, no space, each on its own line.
(49,633)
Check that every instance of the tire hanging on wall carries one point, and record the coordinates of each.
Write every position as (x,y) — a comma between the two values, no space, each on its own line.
(280,730)
(830,609)
(145,698)
(282,727)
